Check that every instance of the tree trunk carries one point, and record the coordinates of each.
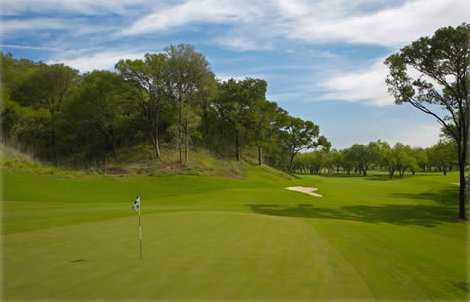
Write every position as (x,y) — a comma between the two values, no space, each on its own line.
(53,139)
(462,157)
(155,137)
(260,156)
(237,147)
(180,132)
(462,212)
(186,141)
(291,161)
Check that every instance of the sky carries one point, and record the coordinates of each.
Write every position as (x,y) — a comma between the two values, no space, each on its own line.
(323,59)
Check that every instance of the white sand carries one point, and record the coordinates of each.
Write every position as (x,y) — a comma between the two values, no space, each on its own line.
(306,190)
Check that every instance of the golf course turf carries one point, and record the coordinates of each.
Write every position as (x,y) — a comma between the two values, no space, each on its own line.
(75,237)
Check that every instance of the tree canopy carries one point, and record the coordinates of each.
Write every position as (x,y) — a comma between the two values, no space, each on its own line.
(432,74)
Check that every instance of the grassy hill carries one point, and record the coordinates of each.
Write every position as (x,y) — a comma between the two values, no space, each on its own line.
(138,161)
(73,235)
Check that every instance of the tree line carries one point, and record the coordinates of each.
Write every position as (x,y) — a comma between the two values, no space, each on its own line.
(171,98)
(396,160)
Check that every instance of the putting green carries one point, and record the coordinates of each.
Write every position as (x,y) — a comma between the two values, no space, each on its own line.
(201,255)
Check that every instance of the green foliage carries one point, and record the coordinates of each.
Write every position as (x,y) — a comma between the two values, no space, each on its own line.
(166,99)
(434,72)
(378,156)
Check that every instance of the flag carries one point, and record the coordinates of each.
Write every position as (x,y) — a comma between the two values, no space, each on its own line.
(136,205)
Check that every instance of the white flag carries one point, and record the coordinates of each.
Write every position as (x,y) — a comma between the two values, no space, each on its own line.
(136,204)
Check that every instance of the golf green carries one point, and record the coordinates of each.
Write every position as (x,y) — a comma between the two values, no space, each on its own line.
(217,238)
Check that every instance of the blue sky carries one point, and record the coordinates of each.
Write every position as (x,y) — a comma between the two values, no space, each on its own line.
(323,59)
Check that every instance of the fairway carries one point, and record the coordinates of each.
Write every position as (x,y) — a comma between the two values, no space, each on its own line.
(214,238)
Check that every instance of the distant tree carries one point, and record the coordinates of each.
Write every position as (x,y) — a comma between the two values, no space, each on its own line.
(443,156)
(299,135)
(404,159)
(434,72)
(336,160)
(363,156)
(422,159)
(347,163)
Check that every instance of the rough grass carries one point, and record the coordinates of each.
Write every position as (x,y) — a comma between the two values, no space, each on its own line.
(138,160)
(135,160)
(208,237)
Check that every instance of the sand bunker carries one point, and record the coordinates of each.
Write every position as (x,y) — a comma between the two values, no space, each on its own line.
(306,190)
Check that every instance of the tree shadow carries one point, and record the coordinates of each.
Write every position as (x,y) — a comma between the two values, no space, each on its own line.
(464,286)
(383,178)
(339,175)
(447,196)
(422,215)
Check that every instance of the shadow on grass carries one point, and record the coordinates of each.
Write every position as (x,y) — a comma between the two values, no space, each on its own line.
(383,178)
(447,196)
(422,215)
(339,175)
(464,286)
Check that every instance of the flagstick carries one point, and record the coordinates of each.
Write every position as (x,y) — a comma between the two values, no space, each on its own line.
(140,230)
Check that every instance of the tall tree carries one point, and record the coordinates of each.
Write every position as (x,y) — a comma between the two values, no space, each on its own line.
(48,87)
(148,80)
(186,78)
(236,106)
(434,72)
(264,123)
(96,118)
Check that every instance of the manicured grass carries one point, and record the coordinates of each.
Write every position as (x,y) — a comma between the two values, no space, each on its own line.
(75,237)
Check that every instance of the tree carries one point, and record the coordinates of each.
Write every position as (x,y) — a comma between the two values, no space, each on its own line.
(263,124)
(299,135)
(148,81)
(421,157)
(48,87)
(434,72)
(337,160)
(186,76)
(404,159)
(363,156)
(443,156)
(96,117)
(236,106)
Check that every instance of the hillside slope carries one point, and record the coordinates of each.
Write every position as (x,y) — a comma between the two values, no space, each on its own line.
(138,161)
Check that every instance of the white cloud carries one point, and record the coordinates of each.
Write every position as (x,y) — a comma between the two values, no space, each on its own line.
(365,85)
(83,7)
(238,77)
(419,136)
(99,60)
(15,25)
(30,47)
(389,27)
(205,11)
(311,21)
